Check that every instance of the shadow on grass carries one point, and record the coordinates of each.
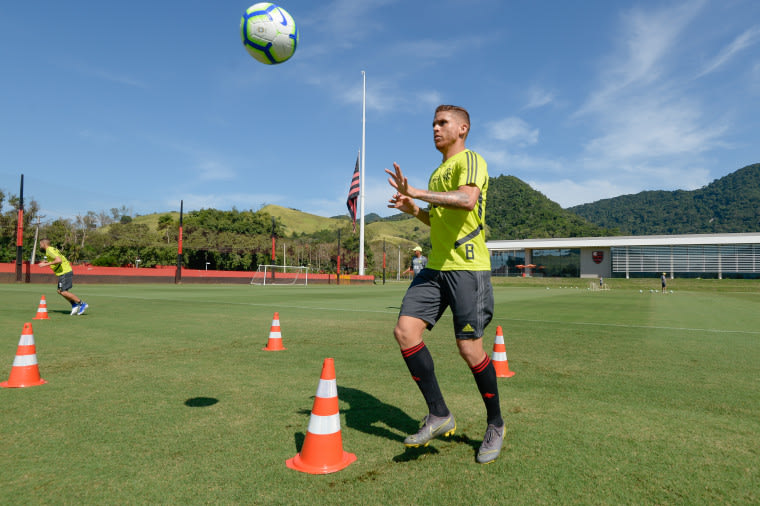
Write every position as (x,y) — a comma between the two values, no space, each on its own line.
(415,453)
(200,402)
(67,312)
(370,415)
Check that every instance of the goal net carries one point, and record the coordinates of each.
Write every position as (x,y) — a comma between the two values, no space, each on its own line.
(281,275)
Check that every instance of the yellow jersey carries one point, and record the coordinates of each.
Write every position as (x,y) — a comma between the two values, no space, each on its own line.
(457,236)
(62,268)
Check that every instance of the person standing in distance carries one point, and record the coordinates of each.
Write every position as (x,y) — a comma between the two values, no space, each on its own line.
(419,261)
(457,275)
(62,268)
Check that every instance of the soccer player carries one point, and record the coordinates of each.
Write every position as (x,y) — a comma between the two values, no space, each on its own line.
(62,268)
(457,275)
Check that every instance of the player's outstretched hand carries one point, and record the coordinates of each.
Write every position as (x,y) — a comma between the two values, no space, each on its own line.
(403,203)
(399,181)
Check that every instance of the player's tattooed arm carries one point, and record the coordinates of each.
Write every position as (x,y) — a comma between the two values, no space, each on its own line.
(464,197)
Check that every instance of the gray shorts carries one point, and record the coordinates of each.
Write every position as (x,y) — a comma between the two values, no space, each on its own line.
(468,293)
(65,281)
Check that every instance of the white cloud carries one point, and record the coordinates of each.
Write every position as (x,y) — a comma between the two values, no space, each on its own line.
(644,127)
(513,130)
(639,59)
(595,185)
(210,170)
(501,161)
(647,129)
(343,13)
(538,97)
(571,192)
(743,41)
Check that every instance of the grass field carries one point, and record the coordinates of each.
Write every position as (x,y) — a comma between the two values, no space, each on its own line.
(162,394)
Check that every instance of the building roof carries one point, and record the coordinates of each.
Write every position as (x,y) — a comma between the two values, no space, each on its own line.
(622,241)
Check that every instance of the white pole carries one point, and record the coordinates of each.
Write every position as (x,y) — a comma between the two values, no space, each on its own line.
(34,247)
(398,272)
(361,177)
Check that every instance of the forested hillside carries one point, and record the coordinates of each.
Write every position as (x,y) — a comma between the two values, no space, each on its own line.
(514,210)
(730,204)
(240,240)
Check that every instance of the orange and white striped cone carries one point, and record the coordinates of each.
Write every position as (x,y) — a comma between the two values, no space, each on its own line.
(322,450)
(25,371)
(499,356)
(42,313)
(275,336)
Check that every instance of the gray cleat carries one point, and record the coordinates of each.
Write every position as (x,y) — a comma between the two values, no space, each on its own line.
(491,446)
(432,426)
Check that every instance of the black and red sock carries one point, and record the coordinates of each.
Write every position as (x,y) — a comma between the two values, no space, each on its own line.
(420,364)
(485,378)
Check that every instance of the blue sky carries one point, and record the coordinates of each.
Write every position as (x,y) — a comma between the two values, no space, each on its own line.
(144,103)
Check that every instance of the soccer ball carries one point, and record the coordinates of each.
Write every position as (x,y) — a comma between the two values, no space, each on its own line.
(269,33)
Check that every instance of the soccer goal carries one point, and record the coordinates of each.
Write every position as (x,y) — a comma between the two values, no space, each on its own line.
(281,275)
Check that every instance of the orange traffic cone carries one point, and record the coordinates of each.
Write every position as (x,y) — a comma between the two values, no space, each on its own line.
(25,372)
(499,356)
(275,337)
(42,310)
(322,450)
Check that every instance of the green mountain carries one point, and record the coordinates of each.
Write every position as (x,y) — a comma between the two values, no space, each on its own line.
(514,210)
(730,204)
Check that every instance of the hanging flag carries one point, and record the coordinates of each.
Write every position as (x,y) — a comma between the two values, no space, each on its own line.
(353,194)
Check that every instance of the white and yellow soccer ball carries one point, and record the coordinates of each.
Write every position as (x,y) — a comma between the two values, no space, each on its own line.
(269,33)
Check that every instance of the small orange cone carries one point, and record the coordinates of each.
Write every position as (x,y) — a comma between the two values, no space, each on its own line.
(322,450)
(499,356)
(42,310)
(275,337)
(25,372)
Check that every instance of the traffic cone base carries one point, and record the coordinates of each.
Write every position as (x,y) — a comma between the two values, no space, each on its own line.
(322,450)
(275,336)
(42,312)
(499,356)
(25,371)
(330,461)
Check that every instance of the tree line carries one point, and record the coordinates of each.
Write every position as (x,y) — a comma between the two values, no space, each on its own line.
(214,239)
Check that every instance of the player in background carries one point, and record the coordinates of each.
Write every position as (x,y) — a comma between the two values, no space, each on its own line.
(457,275)
(419,261)
(62,268)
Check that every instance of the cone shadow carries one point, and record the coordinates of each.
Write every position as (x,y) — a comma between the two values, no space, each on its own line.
(368,414)
(200,402)
(299,438)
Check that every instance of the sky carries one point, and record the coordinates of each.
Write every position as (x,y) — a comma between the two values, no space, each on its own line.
(145,104)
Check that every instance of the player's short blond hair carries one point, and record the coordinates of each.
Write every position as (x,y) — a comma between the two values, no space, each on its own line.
(459,111)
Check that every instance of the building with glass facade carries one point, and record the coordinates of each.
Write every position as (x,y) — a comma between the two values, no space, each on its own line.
(695,255)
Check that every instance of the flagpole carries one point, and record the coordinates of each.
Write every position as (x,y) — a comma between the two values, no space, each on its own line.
(361,177)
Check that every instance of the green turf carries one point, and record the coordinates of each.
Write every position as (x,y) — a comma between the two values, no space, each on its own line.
(162,394)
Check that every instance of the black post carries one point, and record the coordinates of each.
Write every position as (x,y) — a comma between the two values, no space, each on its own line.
(274,237)
(20,232)
(178,272)
(383,261)
(338,265)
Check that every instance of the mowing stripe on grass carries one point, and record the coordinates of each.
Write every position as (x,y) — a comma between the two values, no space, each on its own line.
(649,327)
(448,315)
